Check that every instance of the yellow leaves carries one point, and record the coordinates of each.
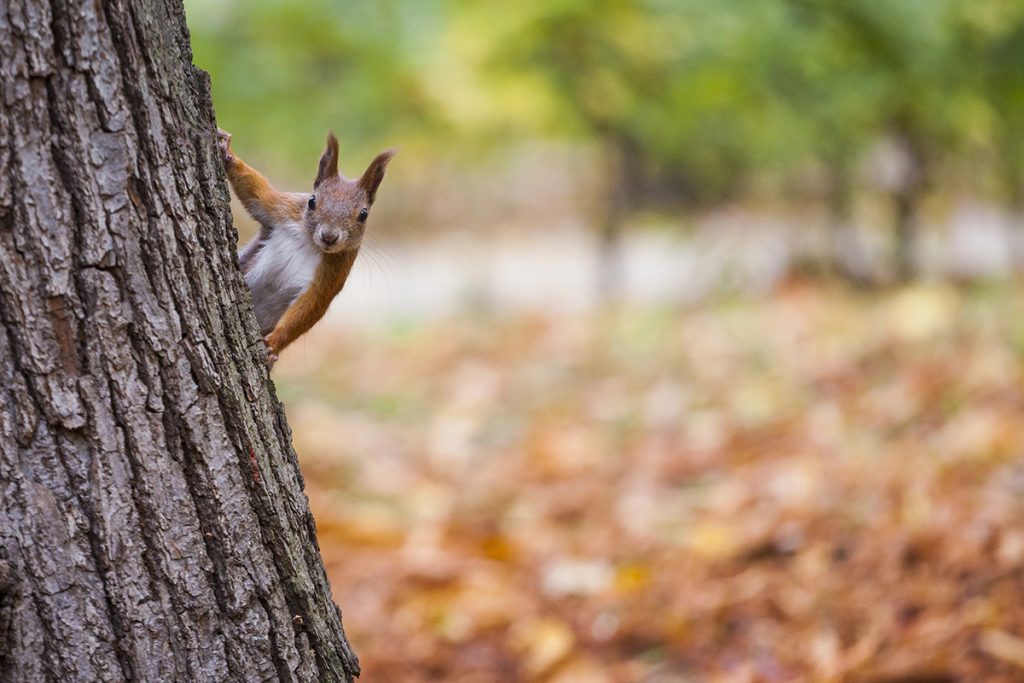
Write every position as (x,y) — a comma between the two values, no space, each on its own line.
(497,548)
(1010,551)
(922,312)
(1003,645)
(917,509)
(756,403)
(706,430)
(458,608)
(814,486)
(979,433)
(541,643)
(713,541)
(825,655)
(630,578)
(364,524)
(581,669)
(565,450)
(480,605)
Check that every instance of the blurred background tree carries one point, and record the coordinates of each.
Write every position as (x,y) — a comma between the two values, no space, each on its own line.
(993,33)
(665,106)
(286,72)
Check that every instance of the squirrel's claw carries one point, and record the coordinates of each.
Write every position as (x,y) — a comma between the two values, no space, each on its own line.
(271,355)
(224,143)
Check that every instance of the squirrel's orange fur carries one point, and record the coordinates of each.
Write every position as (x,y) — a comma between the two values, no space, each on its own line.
(312,303)
(261,199)
(307,242)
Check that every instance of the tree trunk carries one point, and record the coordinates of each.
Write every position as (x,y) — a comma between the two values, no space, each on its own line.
(1012,157)
(846,258)
(153,524)
(906,203)
(612,214)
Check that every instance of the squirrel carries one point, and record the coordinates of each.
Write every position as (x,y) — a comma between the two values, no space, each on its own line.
(307,241)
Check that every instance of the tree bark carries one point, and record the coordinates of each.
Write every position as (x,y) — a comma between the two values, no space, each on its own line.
(153,524)
(907,200)
(1012,171)
(846,258)
(610,277)
(906,210)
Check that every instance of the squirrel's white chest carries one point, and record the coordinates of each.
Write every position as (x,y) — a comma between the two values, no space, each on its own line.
(280,271)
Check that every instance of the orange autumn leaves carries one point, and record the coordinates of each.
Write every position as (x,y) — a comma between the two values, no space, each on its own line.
(819,485)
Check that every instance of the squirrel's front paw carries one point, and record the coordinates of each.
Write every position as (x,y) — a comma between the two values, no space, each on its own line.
(271,354)
(224,143)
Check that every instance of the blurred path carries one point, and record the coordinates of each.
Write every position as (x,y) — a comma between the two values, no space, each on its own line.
(727,251)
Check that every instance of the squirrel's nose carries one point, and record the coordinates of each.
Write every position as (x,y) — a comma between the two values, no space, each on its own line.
(329,238)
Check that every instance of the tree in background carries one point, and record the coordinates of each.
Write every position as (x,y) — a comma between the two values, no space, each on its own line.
(911,51)
(286,72)
(707,96)
(596,71)
(695,102)
(830,101)
(849,74)
(670,95)
(994,34)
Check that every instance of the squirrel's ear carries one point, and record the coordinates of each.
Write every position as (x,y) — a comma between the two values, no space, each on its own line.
(375,173)
(328,162)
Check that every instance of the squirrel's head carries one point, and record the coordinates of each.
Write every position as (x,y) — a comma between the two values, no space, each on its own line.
(336,211)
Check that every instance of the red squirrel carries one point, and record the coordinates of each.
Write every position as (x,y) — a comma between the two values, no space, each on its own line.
(307,242)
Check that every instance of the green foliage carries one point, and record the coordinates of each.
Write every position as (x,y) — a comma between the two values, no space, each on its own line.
(286,72)
(994,34)
(706,95)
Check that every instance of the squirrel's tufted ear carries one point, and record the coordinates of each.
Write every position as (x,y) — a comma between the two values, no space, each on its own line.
(375,173)
(328,162)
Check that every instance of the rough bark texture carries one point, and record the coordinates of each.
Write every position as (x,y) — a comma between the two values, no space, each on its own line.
(153,524)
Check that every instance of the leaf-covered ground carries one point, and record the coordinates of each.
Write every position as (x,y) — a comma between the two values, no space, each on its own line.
(821,485)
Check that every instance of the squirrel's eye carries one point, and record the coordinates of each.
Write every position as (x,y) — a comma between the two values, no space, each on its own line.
(363,214)
(312,202)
